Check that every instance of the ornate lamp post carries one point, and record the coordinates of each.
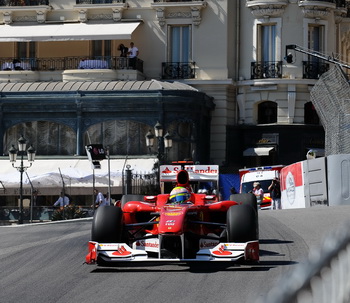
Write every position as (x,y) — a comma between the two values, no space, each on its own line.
(164,143)
(22,145)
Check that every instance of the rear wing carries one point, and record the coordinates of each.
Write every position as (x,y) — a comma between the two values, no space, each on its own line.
(196,173)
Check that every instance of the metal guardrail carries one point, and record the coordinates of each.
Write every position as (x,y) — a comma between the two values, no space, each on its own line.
(10,214)
(323,278)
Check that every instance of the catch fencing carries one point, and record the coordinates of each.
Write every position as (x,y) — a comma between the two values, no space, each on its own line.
(323,278)
(331,98)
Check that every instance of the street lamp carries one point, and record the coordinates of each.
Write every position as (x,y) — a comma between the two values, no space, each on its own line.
(164,143)
(22,145)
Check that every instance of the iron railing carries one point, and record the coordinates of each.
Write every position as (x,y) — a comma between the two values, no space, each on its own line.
(99,1)
(178,70)
(23,2)
(266,69)
(64,63)
(176,0)
(141,184)
(313,70)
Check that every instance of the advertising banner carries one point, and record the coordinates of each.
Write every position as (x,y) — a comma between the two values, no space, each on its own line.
(196,172)
(292,186)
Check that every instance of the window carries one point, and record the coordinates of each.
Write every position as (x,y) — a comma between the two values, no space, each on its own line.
(101,48)
(25,50)
(267,43)
(179,43)
(267,112)
(315,40)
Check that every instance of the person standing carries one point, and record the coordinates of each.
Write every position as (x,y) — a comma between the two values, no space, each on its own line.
(275,193)
(123,54)
(100,199)
(133,54)
(62,201)
(258,192)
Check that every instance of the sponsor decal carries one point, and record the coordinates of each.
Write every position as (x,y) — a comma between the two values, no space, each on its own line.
(170,222)
(221,251)
(173,214)
(147,244)
(290,188)
(122,252)
(208,243)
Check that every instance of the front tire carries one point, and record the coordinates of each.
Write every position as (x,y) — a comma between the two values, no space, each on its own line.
(245,198)
(241,224)
(107,225)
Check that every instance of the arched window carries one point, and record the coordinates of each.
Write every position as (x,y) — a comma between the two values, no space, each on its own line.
(124,137)
(267,112)
(310,114)
(48,138)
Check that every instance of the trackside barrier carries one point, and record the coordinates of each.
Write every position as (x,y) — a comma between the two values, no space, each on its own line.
(323,278)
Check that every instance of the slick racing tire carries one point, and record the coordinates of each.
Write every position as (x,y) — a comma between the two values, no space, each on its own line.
(246,198)
(127,198)
(241,224)
(107,225)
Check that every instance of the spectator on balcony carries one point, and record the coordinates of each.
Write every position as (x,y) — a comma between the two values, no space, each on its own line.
(123,54)
(17,64)
(123,50)
(133,54)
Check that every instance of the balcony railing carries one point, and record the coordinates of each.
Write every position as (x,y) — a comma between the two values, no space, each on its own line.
(99,1)
(177,0)
(178,70)
(52,64)
(313,70)
(266,69)
(23,2)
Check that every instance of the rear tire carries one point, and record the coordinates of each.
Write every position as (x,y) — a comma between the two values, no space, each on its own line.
(241,224)
(107,225)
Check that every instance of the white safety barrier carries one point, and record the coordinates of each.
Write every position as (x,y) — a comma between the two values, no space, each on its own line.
(323,278)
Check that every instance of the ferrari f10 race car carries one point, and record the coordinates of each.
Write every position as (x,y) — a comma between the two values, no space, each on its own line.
(180,226)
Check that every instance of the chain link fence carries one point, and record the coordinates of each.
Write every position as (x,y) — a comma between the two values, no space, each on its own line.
(331,98)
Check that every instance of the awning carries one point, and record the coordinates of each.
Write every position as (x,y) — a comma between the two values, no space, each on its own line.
(257,151)
(67,31)
(49,175)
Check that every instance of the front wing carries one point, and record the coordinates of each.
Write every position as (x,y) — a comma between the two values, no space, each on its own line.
(121,252)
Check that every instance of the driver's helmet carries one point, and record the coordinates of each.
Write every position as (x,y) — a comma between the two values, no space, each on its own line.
(179,195)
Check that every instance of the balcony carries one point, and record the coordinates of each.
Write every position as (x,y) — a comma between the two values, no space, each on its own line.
(313,70)
(70,69)
(23,2)
(173,9)
(317,9)
(178,70)
(267,8)
(266,69)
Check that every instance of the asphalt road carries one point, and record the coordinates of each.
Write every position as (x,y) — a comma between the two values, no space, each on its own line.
(44,263)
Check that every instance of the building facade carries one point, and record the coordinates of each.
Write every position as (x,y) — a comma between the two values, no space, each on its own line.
(236,100)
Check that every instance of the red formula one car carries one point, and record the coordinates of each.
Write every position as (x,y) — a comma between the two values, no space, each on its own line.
(180,226)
